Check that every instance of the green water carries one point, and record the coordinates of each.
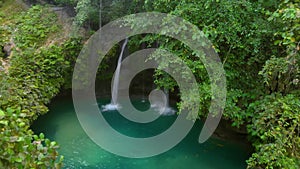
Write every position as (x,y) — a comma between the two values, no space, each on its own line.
(61,125)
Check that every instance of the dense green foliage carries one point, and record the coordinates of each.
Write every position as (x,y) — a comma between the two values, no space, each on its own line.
(257,41)
(37,71)
(20,148)
(275,132)
(88,13)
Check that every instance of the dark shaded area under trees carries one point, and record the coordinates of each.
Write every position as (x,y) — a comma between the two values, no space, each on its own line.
(257,41)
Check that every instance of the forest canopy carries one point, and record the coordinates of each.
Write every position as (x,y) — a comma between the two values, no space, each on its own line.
(258,43)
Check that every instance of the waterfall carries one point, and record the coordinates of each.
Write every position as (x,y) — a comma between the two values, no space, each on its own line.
(168,110)
(115,85)
(164,110)
(166,91)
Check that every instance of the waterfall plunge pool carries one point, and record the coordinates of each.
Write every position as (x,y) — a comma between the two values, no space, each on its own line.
(80,152)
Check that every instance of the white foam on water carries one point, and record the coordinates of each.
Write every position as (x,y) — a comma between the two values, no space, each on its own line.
(110,107)
(165,111)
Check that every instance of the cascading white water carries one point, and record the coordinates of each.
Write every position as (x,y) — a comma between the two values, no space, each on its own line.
(157,104)
(166,91)
(168,110)
(115,85)
(164,109)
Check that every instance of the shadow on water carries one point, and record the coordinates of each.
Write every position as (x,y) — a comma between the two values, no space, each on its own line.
(61,125)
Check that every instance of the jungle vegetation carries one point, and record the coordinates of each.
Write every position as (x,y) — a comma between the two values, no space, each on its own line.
(257,41)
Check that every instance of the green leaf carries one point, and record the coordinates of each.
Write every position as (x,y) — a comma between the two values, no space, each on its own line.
(2,114)
(4,122)
(22,124)
(42,136)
